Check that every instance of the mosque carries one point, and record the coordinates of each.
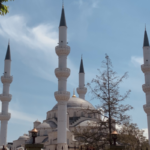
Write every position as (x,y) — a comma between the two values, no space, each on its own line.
(56,131)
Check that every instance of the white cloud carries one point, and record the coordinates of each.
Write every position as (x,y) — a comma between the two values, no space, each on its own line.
(95,3)
(80,2)
(136,61)
(19,115)
(37,44)
(145,132)
(23,116)
(90,3)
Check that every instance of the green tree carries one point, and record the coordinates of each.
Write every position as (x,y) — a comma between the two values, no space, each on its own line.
(131,136)
(3,8)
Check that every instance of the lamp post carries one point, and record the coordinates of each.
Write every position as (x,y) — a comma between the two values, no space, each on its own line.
(4,148)
(34,135)
(34,146)
(114,136)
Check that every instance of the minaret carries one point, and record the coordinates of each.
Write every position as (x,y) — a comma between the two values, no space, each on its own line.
(81,90)
(5,97)
(62,73)
(146,70)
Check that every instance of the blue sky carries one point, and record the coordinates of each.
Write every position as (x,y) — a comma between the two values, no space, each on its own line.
(95,27)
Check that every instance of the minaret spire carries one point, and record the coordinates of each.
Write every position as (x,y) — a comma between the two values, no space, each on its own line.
(63,18)
(81,67)
(146,41)
(8,55)
(5,97)
(81,90)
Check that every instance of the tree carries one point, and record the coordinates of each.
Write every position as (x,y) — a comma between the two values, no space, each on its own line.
(105,87)
(94,134)
(131,136)
(3,8)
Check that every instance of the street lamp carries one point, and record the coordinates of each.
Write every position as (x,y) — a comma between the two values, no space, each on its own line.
(4,148)
(34,135)
(114,136)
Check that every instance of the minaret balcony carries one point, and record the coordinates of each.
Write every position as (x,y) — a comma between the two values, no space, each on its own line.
(145,68)
(146,88)
(5,116)
(146,109)
(62,95)
(81,90)
(62,72)
(6,79)
(62,50)
(6,97)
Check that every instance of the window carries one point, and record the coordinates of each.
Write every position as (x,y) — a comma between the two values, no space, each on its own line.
(94,115)
(68,141)
(89,115)
(82,114)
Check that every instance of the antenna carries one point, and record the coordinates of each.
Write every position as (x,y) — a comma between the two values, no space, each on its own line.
(74,93)
(63,3)
(145,26)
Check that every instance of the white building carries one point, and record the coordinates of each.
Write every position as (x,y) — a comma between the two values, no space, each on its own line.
(68,113)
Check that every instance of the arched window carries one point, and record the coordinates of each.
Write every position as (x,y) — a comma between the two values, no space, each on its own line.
(82,114)
(89,115)
(68,141)
(45,132)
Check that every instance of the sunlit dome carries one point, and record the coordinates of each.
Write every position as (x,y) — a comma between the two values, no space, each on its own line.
(75,102)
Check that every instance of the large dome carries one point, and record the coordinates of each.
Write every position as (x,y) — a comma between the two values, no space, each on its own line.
(46,125)
(24,137)
(43,125)
(75,102)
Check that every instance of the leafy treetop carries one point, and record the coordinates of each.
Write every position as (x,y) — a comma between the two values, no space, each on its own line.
(4,8)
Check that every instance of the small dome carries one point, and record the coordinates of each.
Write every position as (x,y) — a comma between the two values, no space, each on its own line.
(35,130)
(37,121)
(75,102)
(43,125)
(87,123)
(24,137)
